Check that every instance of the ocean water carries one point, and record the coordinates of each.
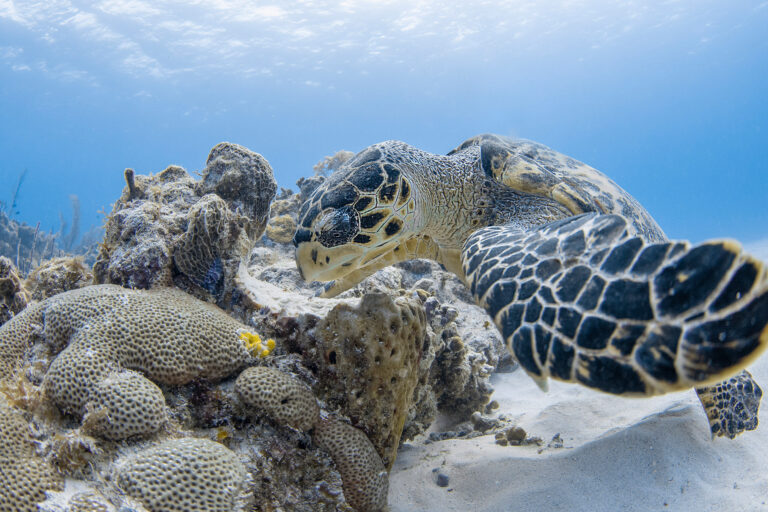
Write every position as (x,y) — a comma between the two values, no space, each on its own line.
(666,97)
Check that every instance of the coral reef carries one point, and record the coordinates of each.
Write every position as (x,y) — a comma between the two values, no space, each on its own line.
(184,475)
(24,476)
(171,228)
(13,296)
(57,275)
(136,371)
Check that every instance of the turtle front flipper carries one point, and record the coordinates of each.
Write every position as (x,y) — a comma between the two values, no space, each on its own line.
(582,300)
(732,405)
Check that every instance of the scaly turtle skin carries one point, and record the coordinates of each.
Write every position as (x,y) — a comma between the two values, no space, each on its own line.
(580,280)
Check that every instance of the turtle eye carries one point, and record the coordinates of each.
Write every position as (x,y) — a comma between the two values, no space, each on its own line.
(337,226)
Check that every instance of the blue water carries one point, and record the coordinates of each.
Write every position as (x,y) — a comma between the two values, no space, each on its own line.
(668,98)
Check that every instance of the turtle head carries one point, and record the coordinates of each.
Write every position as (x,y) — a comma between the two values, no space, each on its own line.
(355,222)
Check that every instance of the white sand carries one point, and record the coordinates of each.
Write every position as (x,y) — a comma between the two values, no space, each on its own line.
(619,455)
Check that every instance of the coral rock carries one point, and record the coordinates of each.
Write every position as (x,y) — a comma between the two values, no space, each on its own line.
(283,397)
(281,228)
(13,296)
(185,475)
(171,228)
(56,276)
(368,360)
(242,178)
(211,231)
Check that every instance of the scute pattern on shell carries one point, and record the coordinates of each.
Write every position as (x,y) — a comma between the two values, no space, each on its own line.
(732,405)
(185,475)
(582,300)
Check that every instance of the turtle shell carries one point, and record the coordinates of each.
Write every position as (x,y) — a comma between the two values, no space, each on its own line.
(533,168)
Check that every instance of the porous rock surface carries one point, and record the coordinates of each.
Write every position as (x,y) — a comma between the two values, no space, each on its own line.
(367,361)
(173,229)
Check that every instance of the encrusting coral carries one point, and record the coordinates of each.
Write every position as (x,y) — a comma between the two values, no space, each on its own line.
(290,402)
(367,360)
(185,475)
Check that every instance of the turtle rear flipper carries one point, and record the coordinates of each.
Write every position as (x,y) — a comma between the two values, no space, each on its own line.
(582,300)
(732,405)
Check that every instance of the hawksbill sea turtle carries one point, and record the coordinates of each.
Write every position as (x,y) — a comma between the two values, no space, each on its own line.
(582,283)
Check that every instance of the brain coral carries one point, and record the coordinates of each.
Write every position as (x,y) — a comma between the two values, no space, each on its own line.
(284,398)
(125,404)
(171,228)
(102,331)
(366,482)
(24,476)
(186,475)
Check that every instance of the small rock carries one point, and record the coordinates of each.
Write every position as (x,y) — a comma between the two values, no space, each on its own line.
(482,423)
(442,480)
(515,435)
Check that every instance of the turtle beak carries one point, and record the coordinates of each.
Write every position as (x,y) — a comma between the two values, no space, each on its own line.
(318,263)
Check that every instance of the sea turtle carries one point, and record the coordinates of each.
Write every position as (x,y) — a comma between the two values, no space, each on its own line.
(580,280)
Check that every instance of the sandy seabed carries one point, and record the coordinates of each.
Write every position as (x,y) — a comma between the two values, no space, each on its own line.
(619,454)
